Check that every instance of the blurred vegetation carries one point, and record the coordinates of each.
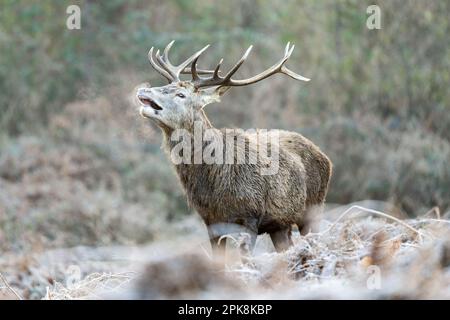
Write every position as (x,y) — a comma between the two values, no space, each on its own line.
(378,102)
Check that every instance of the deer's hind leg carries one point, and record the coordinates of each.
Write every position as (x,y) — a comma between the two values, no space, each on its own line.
(281,239)
(248,230)
(308,222)
(247,245)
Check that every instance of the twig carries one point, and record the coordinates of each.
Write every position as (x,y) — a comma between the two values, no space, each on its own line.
(225,236)
(206,252)
(432,220)
(374,212)
(9,287)
(436,211)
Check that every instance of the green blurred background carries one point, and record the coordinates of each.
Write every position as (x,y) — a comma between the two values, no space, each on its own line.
(79,166)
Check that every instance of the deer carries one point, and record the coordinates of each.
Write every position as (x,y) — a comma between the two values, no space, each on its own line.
(236,194)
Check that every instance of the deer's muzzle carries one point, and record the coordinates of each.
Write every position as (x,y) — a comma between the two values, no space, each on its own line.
(146,100)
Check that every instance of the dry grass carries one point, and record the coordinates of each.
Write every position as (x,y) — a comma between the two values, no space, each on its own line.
(412,258)
(93,286)
(9,288)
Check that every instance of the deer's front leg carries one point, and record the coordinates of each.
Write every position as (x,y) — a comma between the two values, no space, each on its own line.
(282,239)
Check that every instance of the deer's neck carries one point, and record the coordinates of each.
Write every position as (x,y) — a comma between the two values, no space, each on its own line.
(201,134)
(201,122)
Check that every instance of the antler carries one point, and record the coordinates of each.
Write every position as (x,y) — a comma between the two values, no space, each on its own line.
(168,70)
(226,81)
(172,73)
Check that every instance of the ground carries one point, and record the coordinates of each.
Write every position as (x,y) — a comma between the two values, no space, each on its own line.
(360,255)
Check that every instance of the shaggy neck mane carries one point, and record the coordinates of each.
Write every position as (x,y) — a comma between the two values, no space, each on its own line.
(199,118)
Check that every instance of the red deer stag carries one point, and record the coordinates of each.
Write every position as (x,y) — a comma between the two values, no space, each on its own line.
(235,193)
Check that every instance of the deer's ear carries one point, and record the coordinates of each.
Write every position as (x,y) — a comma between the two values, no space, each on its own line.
(211,95)
(221,90)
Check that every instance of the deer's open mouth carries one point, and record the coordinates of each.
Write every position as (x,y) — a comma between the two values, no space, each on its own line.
(149,102)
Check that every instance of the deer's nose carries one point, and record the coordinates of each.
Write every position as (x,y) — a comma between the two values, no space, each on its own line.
(143,91)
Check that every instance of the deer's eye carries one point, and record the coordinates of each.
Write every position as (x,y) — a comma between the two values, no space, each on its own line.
(182,96)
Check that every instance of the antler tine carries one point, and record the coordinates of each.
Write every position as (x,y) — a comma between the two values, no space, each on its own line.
(289,51)
(166,52)
(190,60)
(286,49)
(194,70)
(155,66)
(187,70)
(217,69)
(293,75)
(238,64)
(166,66)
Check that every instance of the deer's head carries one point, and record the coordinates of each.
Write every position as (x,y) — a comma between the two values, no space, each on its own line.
(179,103)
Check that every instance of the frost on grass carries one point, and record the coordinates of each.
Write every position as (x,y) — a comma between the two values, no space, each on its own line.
(94,286)
(364,254)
